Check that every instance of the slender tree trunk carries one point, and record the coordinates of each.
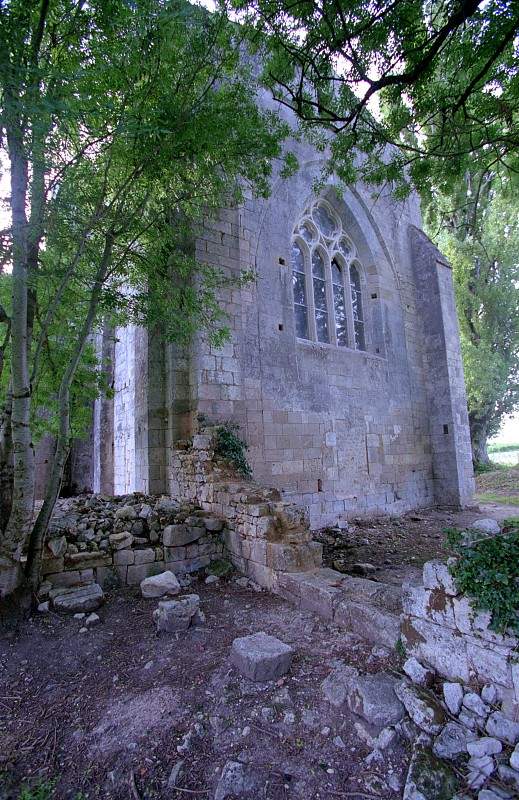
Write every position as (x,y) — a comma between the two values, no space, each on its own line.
(6,464)
(23,453)
(479,438)
(61,452)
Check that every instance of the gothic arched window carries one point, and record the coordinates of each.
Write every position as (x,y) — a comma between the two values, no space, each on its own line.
(327,281)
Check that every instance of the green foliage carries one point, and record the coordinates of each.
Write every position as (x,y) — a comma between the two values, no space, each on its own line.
(503,448)
(221,567)
(42,791)
(487,570)
(230,447)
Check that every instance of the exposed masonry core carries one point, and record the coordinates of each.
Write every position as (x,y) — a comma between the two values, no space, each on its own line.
(362,411)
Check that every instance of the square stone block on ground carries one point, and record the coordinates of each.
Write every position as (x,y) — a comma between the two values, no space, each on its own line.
(261,657)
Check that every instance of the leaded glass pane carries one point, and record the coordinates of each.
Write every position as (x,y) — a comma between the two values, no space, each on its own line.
(301,317)
(360,342)
(297,258)
(336,272)
(306,232)
(298,284)
(317,265)
(340,316)
(355,278)
(320,294)
(321,324)
(345,247)
(324,220)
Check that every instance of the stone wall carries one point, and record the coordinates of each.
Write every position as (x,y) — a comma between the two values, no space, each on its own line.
(440,628)
(125,539)
(265,537)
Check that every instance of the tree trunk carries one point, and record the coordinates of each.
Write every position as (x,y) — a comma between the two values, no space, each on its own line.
(23,453)
(6,464)
(479,437)
(61,452)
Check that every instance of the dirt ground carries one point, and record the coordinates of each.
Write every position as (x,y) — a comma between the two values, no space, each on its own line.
(103,713)
(100,710)
(499,486)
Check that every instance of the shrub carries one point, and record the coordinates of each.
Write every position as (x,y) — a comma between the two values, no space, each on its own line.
(230,447)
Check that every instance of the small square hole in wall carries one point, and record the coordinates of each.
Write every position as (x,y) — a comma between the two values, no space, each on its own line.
(374,296)
(445,429)
(282,261)
(280,326)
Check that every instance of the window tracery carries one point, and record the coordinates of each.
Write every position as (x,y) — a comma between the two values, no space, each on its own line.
(327,281)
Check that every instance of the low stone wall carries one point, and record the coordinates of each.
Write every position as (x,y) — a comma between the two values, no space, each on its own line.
(440,628)
(264,535)
(122,540)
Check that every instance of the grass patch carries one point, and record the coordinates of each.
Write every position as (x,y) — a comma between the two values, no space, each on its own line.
(502,448)
(493,497)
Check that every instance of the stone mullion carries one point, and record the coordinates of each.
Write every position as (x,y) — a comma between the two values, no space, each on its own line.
(312,327)
(329,299)
(349,306)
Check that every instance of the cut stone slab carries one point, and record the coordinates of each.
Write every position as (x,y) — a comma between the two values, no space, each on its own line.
(486,746)
(335,686)
(502,728)
(160,585)
(453,696)
(176,615)
(78,598)
(373,698)
(180,535)
(453,740)
(261,657)
(429,778)
(424,709)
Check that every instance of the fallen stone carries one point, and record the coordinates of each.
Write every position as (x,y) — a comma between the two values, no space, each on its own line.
(418,673)
(121,541)
(335,686)
(261,657)
(453,696)
(362,569)
(424,709)
(239,780)
(165,583)
(373,698)
(453,740)
(180,535)
(212,579)
(486,525)
(489,694)
(479,766)
(58,547)
(43,607)
(509,775)
(176,615)
(474,703)
(92,619)
(126,512)
(80,598)
(502,728)
(428,778)
(514,758)
(486,746)
(494,794)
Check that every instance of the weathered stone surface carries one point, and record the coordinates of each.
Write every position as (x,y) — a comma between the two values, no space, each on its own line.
(82,598)
(436,575)
(453,740)
(373,698)
(423,708)
(58,546)
(474,703)
(146,556)
(261,657)
(509,775)
(418,673)
(120,541)
(172,616)
(429,778)
(126,512)
(453,696)
(85,560)
(213,524)
(486,525)
(486,746)
(372,623)
(180,535)
(159,585)
(335,686)
(500,727)
(239,780)
(514,758)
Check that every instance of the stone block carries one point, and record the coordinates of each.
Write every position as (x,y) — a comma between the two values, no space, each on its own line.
(70,578)
(137,572)
(57,546)
(490,664)
(369,622)
(453,696)
(120,541)
(441,648)
(500,727)
(124,557)
(373,698)
(422,707)
(436,575)
(174,554)
(85,560)
(80,599)
(144,556)
(173,616)
(213,524)
(160,585)
(52,565)
(336,686)
(107,578)
(180,535)
(261,657)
